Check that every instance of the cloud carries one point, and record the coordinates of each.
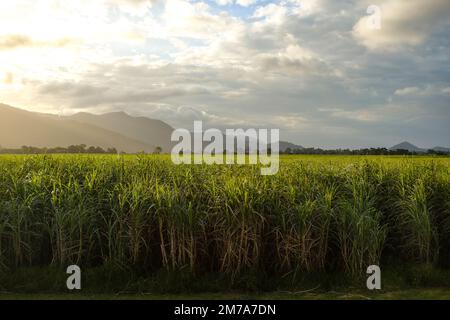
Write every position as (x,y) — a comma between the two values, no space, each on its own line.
(428,90)
(293,59)
(291,64)
(243,3)
(407,91)
(292,121)
(403,23)
(304,8)
(134,7)
(358,115)
(272,13)
(9,42)
(246,3)
(6,78)
(194,20)
(84,95)
(224,2)
(9,78)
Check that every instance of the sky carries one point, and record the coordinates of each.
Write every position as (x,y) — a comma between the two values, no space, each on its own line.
(324,72)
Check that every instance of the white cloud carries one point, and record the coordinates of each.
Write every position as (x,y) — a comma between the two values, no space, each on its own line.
(292,121)
(272,13)
(403,23)
(307,7)
(407,91)
(428,90)
(363,115)
(137,8)
(293,59)
(246,3)
(224,2)
(182,18)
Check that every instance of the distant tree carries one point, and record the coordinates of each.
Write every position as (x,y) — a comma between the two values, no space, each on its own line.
(99,150)
(72,149)
(76,149)
(91,150)
(26,150)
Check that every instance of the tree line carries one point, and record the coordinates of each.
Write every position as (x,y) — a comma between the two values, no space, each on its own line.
(365,151)
(81,148)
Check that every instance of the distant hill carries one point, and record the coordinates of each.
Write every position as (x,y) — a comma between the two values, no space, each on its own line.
(441,149)
(285,145)
(148,131)
(19,127)
(111,130)
(407,146)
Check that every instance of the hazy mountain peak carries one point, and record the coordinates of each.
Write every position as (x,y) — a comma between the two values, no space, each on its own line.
(284,145)
(147,130)
(405,145)
(43,130)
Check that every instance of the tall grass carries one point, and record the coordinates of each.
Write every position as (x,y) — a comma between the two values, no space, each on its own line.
(360,232)
(336,214)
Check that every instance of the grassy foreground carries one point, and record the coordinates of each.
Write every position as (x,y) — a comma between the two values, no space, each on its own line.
(411,294)
(150,219)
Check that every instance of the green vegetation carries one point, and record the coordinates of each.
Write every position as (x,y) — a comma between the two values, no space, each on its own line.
(423,294)
(366,151)
(73,149)
(140,222)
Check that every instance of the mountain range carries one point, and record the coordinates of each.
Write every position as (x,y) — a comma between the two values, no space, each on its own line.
(19,127)
(118,130)
(405,145)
